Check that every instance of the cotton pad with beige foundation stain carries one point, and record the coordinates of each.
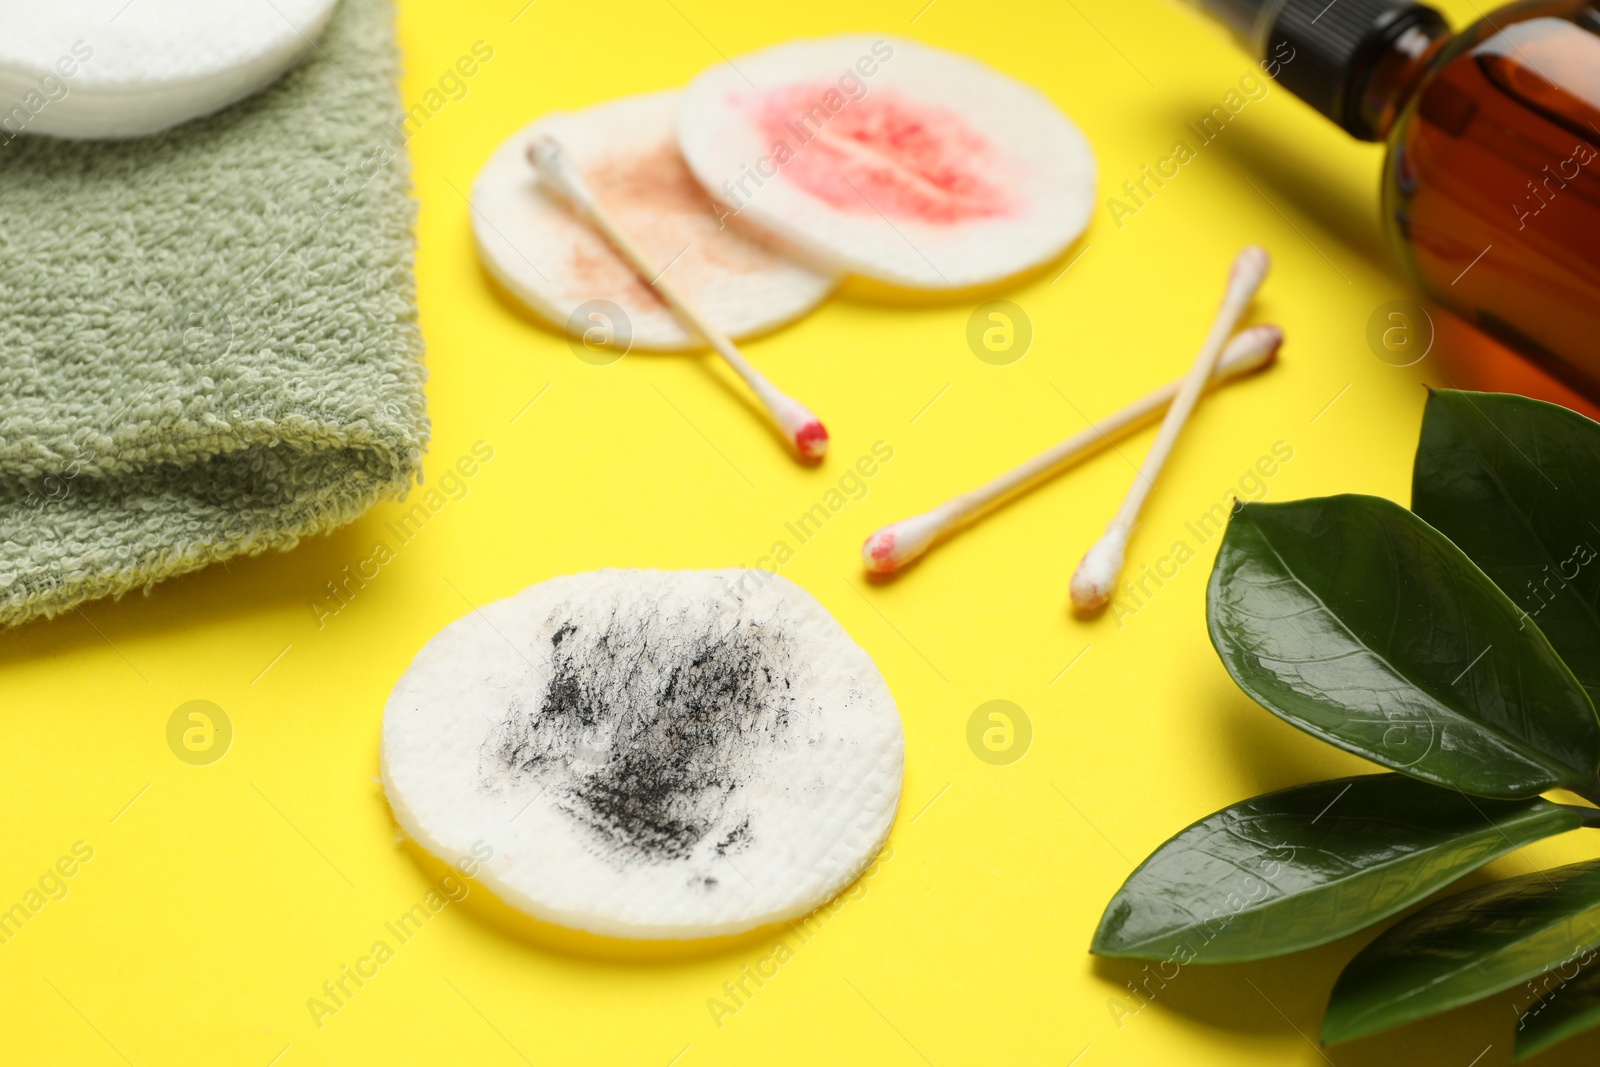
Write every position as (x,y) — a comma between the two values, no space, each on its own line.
(890,159)
(650,754)
(541,249)
(127,68)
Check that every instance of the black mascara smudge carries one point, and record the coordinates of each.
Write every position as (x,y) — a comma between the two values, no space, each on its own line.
(736,840)
(648,727)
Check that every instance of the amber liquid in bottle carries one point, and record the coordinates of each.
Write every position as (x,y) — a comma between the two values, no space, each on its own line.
(1491,189)
(1492,186)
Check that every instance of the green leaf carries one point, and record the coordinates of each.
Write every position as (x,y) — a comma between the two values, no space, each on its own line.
(1361,624)
(1515,483)
(1465,948)
(1562,1004)
(1309,865)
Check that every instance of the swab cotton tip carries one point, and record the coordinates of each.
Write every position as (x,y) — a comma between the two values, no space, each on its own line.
(556,169)
(879,552)
(804,430)
(1250,269)
(1250,350)
(897,544)
(811,441)
(1096,577)
(545,155)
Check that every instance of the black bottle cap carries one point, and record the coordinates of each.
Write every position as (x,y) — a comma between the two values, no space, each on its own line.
(1333,46)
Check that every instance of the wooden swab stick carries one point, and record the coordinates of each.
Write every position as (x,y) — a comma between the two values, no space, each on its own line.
(897,544)
(803,429)
(1096,576)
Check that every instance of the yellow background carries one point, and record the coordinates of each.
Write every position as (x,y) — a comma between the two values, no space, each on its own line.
(220,898)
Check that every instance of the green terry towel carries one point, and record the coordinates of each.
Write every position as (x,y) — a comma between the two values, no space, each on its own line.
(208,338)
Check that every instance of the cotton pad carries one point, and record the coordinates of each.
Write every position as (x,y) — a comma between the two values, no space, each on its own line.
(552,260)
(890,159)
(649,754)
(125,68)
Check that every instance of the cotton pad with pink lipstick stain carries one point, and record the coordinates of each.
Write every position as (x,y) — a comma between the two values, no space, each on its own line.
(551,259)
(891,159)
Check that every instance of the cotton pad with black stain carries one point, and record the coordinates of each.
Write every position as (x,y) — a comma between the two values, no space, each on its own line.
(650,754)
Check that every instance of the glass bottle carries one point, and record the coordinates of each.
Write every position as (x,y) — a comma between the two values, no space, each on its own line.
(1491,187)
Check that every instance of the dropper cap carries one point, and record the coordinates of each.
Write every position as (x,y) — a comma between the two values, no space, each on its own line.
(1324,52)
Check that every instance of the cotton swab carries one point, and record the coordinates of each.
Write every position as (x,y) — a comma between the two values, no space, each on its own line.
(1096,576)
(897,544)
(803,429)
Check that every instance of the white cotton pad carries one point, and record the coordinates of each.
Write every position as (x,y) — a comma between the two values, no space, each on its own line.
(891,159)
(126,68)
(649,754)
(547,256)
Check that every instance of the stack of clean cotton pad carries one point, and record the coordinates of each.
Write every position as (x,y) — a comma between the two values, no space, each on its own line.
(208,336)
(125,68)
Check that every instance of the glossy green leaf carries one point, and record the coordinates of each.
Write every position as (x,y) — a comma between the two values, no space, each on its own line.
(1361,624)
(1561,1004)
(1467,947)
(1515,483)
(1309,865)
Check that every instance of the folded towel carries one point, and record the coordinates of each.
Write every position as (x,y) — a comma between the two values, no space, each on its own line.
(208,338)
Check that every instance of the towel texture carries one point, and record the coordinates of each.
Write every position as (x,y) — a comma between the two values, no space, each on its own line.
(208,338)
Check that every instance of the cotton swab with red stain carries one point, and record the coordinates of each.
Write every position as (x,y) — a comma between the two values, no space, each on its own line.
(897,544)
(803,429)
(1096,577)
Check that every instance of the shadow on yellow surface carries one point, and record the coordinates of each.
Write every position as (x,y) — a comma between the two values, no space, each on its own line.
(860,290)
(212,596)
(1263,997)
(485,907)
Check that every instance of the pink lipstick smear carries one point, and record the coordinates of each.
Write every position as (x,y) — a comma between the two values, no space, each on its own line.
(881,153)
